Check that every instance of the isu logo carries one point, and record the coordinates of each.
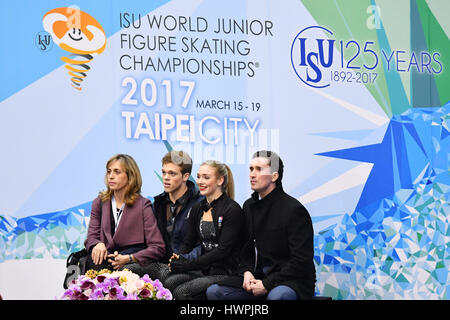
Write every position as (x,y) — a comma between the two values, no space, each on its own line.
(311,55)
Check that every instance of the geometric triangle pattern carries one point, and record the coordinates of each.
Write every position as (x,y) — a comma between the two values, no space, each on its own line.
(55,234)
(396,244)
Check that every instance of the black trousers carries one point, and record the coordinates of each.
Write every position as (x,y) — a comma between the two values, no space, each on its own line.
(191,285)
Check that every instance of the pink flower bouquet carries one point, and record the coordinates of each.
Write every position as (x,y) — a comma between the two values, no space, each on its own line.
(117,285)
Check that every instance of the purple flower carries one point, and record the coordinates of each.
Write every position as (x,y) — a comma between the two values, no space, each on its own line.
(146,278)
(78,295)
(113,293)
(120,293)
(75,295)
(83,297)
(164,294)
(121,296)
(116,293)
(87,285)
(132,296)
(97,294)
(110,282)
(103,287)
(145,294)
(67,294)
(157,284)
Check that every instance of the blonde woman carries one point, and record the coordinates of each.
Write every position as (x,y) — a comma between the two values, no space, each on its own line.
(216,223)
(123,232)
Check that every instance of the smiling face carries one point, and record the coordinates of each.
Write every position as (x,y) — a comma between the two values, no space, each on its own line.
(209,184)
(75,34)
(75,31)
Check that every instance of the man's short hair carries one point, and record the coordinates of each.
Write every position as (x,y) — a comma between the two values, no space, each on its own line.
(275,163)
(180,158)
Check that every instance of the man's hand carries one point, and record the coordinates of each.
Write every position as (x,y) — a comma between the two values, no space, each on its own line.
(257,288)
(248,277)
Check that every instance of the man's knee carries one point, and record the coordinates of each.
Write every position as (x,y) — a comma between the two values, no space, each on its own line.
(282,293)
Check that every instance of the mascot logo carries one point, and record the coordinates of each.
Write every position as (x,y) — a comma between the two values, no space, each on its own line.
(80,34)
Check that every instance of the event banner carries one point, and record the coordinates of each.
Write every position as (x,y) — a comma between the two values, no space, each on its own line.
(353,94)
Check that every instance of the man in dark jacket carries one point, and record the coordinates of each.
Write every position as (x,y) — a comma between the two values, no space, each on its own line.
(172,207)
(277,262)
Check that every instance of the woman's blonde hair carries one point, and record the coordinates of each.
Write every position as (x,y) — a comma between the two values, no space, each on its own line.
(131,168)
(224,171)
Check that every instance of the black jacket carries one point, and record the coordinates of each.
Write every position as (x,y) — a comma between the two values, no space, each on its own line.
(229,231)
(174,241)
(281,229)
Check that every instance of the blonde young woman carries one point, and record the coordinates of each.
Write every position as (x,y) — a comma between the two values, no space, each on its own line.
(123,232)
(216,223)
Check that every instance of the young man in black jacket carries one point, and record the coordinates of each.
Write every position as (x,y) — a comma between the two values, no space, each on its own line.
(277,261)
(172,207)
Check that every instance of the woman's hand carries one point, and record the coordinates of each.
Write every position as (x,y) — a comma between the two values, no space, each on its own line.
(118,260)
(173,257)
(182,265)
(99,253)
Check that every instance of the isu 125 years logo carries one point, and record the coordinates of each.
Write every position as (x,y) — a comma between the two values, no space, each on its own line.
(320,60)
